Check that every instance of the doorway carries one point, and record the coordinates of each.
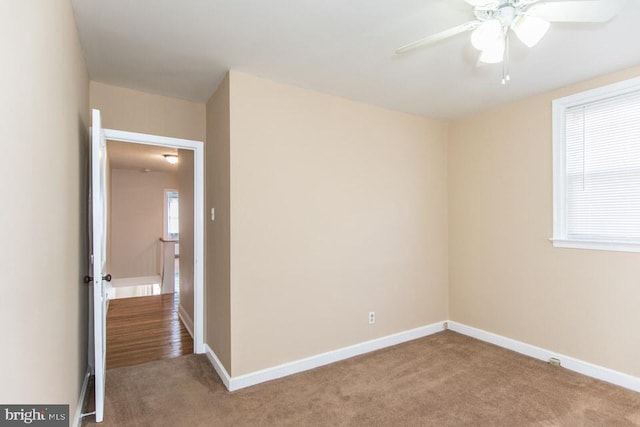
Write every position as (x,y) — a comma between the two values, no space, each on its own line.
(169,249)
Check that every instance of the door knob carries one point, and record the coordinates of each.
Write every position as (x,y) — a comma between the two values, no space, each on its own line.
(89,279)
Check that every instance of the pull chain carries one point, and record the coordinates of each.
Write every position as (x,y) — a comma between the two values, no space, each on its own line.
(505,64)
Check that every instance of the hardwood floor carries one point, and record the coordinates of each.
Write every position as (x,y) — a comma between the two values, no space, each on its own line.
(144,329)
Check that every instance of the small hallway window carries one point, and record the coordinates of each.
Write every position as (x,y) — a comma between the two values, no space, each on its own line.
(172,224)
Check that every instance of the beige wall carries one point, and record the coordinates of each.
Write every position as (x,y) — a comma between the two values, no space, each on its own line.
(137,220)
(217,291)
(186,204)
(337,209)
(44,114)
(134,111)
(505,275)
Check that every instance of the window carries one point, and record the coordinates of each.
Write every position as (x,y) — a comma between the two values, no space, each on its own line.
(596,144)
(172,228)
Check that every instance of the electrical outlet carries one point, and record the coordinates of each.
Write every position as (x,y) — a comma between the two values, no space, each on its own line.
(554,361)
(372,317)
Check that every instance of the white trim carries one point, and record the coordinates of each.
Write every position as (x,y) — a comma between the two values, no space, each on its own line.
(187,321)
(585,368)
(559,168)
(148,139)
(77,418)
(599,245)
(308,363)
(614,89)
(198,191)
(218,366)
(198,306)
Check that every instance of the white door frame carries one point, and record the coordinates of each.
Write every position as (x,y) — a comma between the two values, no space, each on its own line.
(198,192)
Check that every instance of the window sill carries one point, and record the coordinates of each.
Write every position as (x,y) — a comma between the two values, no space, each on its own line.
(596,245)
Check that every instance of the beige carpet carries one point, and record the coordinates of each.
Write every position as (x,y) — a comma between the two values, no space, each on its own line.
(443,380)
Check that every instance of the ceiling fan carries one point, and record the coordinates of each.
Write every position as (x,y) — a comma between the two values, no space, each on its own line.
(529,20)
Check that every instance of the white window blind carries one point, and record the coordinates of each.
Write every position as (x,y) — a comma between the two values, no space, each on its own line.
(599,168)
(603,169)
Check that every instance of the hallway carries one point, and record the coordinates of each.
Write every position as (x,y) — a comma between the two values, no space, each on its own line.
(145,329)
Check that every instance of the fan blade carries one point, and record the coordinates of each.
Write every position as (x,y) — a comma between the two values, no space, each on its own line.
(577,11)
(435,38)
(481,3)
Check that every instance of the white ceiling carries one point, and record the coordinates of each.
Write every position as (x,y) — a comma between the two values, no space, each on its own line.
(342,47)
(125,155)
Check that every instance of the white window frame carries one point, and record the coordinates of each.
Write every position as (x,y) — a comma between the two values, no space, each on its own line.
(165,224)
(559,107)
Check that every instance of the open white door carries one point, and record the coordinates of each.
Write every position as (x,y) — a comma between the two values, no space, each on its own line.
(99,256)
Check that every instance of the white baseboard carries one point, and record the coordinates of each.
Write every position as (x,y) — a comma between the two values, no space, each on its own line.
(77,418)
(308,363)
(585,368)
(187,321)
(217,365)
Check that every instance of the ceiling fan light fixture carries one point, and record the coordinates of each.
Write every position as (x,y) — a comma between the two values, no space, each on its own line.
(530,29)
(487,34)
(493,54)
(528,19)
